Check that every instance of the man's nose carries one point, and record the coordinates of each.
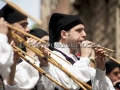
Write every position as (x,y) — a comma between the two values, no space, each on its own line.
(27,30)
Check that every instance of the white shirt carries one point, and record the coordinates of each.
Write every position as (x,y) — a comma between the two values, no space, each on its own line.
(81,69)
(6,56)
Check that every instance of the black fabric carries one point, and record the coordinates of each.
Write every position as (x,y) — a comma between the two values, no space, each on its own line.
(35,88)
(59,22)
(56,88)
(38,32)
(89,83)
(20,61)
(3,86)
(67,57)
(11,15)
(110,65)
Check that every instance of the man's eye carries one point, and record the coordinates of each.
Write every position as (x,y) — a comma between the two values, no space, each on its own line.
(79,30)
(24,24)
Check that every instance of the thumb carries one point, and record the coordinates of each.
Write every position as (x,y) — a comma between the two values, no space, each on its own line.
(12,43)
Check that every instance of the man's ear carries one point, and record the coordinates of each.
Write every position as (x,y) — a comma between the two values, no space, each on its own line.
(63,34)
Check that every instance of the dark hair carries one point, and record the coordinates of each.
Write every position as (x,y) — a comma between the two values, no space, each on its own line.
(11,15)
(110,65)
(36,32)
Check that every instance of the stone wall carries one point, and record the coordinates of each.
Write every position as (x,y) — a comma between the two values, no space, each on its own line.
(99,17)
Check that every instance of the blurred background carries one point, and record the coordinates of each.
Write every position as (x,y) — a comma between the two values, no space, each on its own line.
(101,18)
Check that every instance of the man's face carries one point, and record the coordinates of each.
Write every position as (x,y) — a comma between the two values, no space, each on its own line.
(76,35)
(46,39)
(22,25)
(114,75)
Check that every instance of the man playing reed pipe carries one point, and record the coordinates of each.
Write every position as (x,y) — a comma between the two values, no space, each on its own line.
(66,34)
(22,75)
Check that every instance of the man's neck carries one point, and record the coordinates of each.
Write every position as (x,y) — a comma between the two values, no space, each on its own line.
(72,51)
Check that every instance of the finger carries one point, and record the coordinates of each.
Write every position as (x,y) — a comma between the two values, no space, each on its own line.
(31,40)
(5,23)
(28,39)
(42,49)
(2,19)
(38,44)
(12,43)
(34,42)
(84,44)
(46,53)
(96,50)
(89,44)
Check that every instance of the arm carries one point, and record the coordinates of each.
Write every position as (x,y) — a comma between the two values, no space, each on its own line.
(26,77)
(6,52)
(99,80)
(10,78)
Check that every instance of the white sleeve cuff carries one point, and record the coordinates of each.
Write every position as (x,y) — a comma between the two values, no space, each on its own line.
(85,60)
(3,37)
(100,74)
(9,87)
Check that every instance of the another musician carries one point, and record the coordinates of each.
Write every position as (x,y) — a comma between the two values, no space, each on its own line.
(66,33)
(13,81)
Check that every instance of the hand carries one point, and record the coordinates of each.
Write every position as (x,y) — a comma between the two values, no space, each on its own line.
(86,49)
(34,43)
(3,26)
(100,58)
(43,60)
(16,55)
(114,83)
(10,78)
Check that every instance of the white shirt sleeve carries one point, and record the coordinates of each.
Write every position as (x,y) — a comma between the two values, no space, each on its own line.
(8,87)
(26,76)
(6,56)
(101,81)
